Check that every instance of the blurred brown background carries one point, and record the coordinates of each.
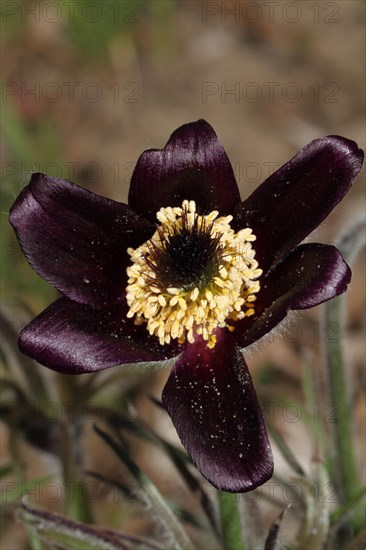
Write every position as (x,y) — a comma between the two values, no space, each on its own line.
(87,86)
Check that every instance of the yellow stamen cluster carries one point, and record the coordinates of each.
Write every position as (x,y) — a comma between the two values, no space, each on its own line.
(172,312)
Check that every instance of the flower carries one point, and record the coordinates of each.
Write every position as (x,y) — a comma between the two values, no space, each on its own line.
(186,270)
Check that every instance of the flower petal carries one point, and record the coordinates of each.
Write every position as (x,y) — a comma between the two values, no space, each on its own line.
(212,402)
(77,240)
(310,275)
(71,338)
(293,201)
(193,165)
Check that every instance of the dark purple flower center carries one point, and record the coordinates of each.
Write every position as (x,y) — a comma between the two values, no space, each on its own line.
(188,256)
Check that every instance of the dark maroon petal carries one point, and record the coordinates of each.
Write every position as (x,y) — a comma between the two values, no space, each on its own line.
(77,240)
(212,402)
(193,165)
(72,338)
(310,275)
(297,198)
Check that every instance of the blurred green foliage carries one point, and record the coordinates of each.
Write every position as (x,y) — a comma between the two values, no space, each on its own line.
(92,26)
(31,132)
(39,143)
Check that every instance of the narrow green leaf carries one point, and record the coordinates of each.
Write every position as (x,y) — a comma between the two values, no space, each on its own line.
(316,522)
(34,384)
(178,457)
(286,451)
(345,471)
(63,533)
(313,398)
(273,536)
(123,489)
(148,490)
(339,515)
(181,463)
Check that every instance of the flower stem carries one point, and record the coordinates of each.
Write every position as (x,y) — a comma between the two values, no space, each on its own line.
(345,462)
(230,521)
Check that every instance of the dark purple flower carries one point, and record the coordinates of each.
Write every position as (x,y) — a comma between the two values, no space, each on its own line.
(209,277)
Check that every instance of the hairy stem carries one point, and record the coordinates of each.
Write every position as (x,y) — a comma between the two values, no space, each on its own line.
(230,521)
(343,445)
